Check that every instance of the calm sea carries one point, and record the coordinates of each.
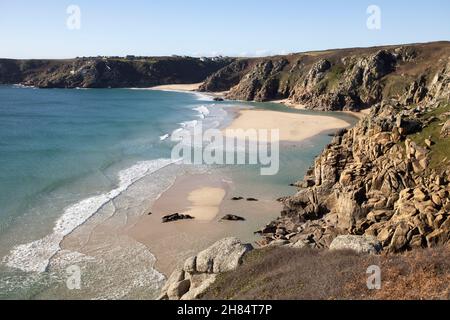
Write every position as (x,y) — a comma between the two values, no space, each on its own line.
(67,154)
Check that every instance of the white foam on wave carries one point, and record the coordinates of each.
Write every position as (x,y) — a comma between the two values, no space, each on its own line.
(189,124)
(203,111)
(35,256)
(164,137)
(202,96)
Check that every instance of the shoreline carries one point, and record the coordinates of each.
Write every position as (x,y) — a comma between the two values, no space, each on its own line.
(173,242)
(207,197)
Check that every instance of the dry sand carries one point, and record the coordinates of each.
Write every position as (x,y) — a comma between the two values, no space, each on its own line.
(292,126)
(205,203)
(178,87)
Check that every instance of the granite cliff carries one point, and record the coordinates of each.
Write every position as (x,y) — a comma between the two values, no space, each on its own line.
(109,72)
(388,177)
(346,79)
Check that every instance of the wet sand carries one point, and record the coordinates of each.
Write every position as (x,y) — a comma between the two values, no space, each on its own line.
(200,195)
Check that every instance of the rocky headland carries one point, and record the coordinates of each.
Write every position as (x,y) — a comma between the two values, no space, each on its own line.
(109,72)
(345,79)
(382,187)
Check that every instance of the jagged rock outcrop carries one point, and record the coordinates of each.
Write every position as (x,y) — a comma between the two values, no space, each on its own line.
(349,79)
(260,83)
(113,72)
(193,278)
(387,178)
(226,77)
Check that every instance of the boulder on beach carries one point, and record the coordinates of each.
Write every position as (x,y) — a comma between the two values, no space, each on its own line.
(176,217)
(232,217)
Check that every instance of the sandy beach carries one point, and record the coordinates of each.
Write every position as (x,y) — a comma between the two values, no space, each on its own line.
(178,87)
(293,127)
(207,198)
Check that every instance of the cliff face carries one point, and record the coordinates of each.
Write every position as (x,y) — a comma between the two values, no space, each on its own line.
(348,79)
(388,177)
(108,72)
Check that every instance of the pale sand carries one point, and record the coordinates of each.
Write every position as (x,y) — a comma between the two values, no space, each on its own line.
(173,242)
(205,203)
(189,88)
(178,87)
(292,126)
(290,104)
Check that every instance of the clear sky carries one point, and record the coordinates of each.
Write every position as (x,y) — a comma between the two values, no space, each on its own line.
(38,29)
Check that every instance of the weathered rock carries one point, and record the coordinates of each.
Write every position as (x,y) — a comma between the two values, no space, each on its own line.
(360,244)
(198,273)
(176,217)
(445,132)
(278,243)
(196,291)
(177,290)
(232,217)
(190,265)
(438,237)
(399,239)
(225,255)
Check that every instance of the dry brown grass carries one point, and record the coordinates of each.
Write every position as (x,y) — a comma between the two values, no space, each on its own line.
(288,274)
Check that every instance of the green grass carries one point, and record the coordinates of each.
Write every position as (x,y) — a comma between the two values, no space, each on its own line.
(334,76)
(440,151)
(332,79)
(396,85)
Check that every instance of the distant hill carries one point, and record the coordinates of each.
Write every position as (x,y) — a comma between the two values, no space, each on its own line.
(104,72)
(342,79)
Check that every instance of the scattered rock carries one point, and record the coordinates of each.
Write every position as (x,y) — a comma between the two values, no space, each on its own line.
(218,99)
(237,198)
(231,217)
(176,217)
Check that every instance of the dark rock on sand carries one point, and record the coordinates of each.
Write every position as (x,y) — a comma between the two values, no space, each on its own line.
(232,217)
(237,198)
(252,199)
(176,217)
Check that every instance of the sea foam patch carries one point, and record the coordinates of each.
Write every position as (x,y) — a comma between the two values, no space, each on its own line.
(35,256)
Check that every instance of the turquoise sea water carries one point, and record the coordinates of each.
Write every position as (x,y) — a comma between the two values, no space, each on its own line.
(65,154)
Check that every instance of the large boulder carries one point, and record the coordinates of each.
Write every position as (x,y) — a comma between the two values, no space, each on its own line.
(360,244)
(197,273)
(223,256)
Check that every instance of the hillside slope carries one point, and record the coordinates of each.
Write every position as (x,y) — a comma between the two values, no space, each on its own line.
(345,79)
(109,72)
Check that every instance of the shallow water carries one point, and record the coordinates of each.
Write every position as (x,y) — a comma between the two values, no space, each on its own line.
(101,156)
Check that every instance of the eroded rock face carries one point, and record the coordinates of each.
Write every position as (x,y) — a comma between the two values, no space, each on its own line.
(194,277)
(445,132)
(350,79)
(372,181)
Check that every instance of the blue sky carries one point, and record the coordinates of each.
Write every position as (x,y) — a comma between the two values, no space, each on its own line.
(37,29)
